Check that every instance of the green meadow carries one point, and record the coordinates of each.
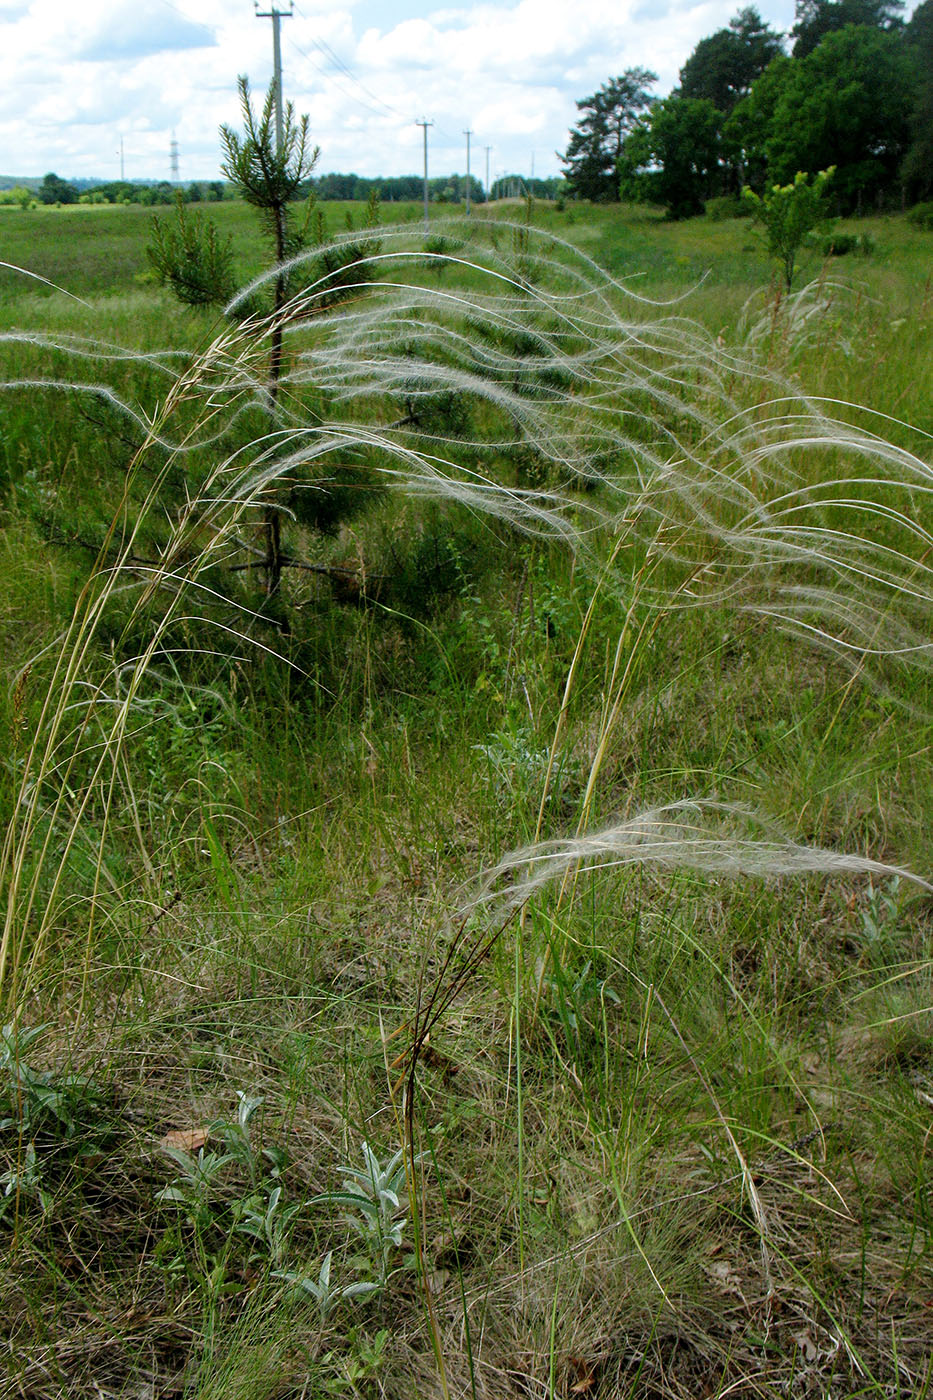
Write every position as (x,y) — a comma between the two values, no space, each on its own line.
(500,964)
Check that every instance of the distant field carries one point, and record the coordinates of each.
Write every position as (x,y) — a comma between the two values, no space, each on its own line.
(101,249)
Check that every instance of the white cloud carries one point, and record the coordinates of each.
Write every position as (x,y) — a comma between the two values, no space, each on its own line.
(135,32)
(79,78)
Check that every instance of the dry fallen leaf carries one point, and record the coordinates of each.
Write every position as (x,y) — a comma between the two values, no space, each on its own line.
(584,1375)
(807,1344)
(437,1281)
(722,1275)
(583,1386)
(186,1139)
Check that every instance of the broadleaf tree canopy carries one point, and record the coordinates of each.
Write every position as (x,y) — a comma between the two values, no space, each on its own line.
(673,157)
(918,163)
(848,104)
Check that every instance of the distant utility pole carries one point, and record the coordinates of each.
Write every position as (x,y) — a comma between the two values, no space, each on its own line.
(121,159)
(488,149)
(425,125)
(468,134)
(173,158)
(275,15)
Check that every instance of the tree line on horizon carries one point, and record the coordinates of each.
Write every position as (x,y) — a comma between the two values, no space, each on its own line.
(443,189)
(854,91)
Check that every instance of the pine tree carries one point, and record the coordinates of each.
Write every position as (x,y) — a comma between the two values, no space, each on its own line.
(596,143)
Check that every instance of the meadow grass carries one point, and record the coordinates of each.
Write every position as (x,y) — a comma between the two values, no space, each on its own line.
(668,1129)
(101,248)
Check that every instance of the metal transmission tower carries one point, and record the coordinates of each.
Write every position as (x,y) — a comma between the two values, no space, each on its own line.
(173,157)
(468,134)
(425,125)
(276,15)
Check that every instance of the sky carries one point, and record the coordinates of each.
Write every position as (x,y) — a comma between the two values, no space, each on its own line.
(80,78)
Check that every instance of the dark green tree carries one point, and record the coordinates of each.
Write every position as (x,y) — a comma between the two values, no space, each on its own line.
(268,169)
(817,18)
(674,156)
(55,190)
(747,129)
(917,172)
(848,104)
(189,255)
(596,143)
(271,171)
(723,67)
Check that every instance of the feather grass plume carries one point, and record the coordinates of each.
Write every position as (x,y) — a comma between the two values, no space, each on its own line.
(702,835)
(714,482)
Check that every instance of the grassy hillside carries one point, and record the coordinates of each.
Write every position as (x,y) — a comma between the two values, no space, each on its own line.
(498,971)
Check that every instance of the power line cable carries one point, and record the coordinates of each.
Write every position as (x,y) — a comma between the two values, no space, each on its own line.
(329,77)
(328,52)
(325,49)
(169,6)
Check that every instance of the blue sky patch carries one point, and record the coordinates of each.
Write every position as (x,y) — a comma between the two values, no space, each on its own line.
(132,34)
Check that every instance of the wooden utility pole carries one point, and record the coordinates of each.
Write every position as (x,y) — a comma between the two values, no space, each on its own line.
(424,125)
(276,15)
(468,134)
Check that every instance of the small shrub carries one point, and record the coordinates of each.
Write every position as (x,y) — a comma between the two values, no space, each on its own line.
(726,206)
(437,246)
(50,1120)
(192,258)
(839,245)
(922,215)
(376,1210)
(788,214)
(43,1105)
